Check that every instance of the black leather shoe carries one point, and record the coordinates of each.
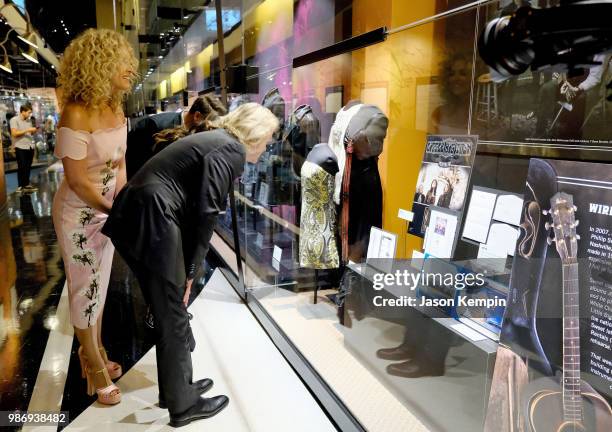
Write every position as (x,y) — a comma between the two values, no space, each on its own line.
(201,387)
(204,408)
(401,352)
(411,369)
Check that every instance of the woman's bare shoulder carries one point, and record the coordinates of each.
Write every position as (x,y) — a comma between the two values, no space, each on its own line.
(75,116)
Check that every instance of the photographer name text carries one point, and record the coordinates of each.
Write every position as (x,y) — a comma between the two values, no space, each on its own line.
(459,301)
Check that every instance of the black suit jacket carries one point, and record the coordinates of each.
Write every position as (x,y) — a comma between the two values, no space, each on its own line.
(140,140)
(165,215)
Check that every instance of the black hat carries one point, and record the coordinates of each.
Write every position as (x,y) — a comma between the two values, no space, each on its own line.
(371,123)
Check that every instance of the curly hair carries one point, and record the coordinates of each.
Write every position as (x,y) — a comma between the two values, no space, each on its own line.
(89,63)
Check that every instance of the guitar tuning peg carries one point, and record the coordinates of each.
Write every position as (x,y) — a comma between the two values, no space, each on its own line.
(547,225)
(550,240)
(575,208)
(576,223)
(577,237)
(545,212)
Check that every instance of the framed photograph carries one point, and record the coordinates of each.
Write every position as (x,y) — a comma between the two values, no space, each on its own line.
(441,233)
(381,249)
(333,99)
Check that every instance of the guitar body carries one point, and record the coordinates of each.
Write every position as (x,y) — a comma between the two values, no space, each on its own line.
(519,328)
(543,409)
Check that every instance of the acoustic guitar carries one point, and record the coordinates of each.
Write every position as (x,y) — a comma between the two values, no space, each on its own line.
(571,405)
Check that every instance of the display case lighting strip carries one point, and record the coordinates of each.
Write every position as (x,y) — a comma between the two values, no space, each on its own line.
(268,71)
(357,42)
(267,213)
(441,15)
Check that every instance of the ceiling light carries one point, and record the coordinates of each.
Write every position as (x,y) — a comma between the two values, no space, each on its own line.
(29,37)
(160,57)
(30,54)
(6,65)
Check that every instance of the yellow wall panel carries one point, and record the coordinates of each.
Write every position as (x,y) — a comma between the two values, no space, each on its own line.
(178,80)
(268,24)
(163,89)
(202,60)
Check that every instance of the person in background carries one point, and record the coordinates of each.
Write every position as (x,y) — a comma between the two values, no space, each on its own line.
(206,109)
(23,144)
(430,198)
(141,141)
(419,196)
(97,70)
(49,131)
(162,223)
(445,198)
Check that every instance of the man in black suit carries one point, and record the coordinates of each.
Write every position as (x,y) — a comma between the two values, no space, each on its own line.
(140,139)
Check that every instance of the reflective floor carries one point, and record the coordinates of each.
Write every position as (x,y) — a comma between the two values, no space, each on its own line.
(29,292)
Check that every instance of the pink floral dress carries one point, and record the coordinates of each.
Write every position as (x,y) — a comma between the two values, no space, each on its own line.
(87,253)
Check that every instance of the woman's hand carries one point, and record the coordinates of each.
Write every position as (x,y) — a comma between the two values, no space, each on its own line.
(75,172)
(187,291)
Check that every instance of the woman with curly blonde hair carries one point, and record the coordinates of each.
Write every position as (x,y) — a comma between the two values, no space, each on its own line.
(96,71)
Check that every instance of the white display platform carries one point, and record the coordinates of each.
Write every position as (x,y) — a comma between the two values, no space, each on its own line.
(232,349)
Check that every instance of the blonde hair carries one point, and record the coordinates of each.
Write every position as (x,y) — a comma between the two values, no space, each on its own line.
(88,65)
(249,123)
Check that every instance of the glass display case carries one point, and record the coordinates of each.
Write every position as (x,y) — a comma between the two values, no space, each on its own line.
(379,78)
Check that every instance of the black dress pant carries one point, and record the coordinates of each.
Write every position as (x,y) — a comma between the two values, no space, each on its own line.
(24,165)
(430,342)
(172,338)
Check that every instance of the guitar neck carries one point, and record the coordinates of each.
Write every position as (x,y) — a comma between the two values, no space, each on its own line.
(572,398)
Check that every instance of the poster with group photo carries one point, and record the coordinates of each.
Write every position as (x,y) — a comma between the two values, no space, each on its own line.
(444,177)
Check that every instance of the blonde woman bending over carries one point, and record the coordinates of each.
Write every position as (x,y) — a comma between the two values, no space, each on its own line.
(161,224)
(96,72)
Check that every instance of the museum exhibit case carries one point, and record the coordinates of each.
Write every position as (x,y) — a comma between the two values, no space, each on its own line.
(399,151)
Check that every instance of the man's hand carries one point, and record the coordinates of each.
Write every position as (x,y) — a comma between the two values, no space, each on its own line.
(572,92)
(32,130)
(187,292)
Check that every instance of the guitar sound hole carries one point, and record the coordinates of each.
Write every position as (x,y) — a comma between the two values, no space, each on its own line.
(571,427)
